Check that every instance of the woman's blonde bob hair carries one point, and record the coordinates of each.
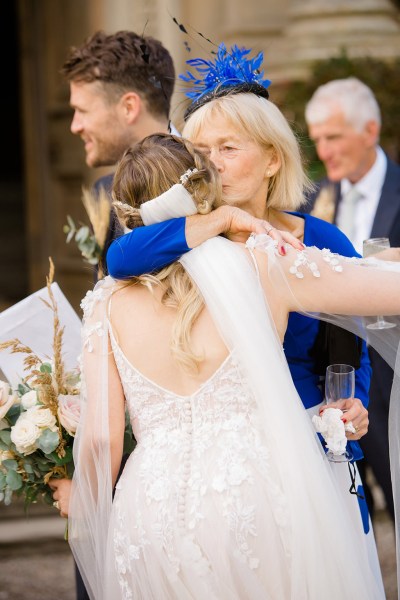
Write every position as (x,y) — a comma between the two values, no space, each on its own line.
(146,170)
(260,121)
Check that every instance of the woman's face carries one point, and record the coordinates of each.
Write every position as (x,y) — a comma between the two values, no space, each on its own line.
(242,164)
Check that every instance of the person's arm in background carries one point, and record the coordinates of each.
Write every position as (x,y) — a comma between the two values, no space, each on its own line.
(150,248)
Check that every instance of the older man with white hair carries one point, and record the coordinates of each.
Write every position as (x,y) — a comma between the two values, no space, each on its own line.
(361,195)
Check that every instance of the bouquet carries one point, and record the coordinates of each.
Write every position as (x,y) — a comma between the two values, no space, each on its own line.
(38,420)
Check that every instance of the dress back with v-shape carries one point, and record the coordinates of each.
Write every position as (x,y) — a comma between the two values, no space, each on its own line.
(194,486)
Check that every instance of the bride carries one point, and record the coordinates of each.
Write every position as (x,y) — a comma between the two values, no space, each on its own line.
(227,494)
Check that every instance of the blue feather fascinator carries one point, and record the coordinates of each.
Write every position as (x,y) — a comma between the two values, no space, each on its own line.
(231,72)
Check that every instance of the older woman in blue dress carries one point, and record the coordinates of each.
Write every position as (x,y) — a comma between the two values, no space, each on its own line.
(233,122)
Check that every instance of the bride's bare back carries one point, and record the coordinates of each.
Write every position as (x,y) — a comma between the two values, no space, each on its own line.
(142,326)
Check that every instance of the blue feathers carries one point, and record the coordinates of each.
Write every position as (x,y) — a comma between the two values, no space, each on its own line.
(228,69)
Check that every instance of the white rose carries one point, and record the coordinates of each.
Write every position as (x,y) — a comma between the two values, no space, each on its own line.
(42,417)
(29,399)
(6,400)
(24,435)
(69,410)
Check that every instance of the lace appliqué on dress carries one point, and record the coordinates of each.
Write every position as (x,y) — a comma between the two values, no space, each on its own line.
(91,298)
(302,261)
(191,449)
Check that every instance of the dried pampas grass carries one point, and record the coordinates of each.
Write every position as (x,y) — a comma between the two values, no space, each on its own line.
(98,208)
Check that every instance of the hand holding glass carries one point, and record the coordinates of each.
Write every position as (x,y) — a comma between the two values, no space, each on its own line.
(370,247)
(339,385)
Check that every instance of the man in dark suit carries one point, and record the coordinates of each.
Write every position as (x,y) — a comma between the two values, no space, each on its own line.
(120,90)
(361,195)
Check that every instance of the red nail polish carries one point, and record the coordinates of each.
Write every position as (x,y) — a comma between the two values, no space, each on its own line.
(283,250)
(344,420)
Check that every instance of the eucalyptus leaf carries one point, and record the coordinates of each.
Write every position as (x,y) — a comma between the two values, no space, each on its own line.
(14,412)
(82,234)
(61,461)
(10,464)
(44,468)
(8,496)
(48,441)
(14,480)
(3,482)
(45,368)
(41,461)
(71,222)
(5,436)
(27,467)
(23,389)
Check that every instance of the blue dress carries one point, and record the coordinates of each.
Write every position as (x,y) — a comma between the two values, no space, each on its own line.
(150,248)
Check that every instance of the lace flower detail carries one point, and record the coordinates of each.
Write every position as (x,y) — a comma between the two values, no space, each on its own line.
(301,262)
(261,240)
(90,300)
(88,331)
(332,259)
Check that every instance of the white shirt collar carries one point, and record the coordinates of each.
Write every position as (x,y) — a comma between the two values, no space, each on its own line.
(372,182)
(173,129)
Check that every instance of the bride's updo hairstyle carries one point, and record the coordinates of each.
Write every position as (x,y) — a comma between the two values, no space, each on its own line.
(153,166)
(147,170)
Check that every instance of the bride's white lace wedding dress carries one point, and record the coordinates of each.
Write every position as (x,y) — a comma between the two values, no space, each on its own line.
(228,495)
(199,510)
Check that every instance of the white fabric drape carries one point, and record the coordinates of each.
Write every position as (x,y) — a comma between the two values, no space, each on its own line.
(327,558)
(91,498)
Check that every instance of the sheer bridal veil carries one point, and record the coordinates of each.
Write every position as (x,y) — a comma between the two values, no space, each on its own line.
(319,538)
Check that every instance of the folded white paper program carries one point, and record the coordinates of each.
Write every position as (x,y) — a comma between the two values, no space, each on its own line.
(31,321)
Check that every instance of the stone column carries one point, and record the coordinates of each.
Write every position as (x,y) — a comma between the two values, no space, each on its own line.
(320,29)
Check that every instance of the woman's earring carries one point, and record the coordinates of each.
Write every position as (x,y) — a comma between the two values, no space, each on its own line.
(268,173)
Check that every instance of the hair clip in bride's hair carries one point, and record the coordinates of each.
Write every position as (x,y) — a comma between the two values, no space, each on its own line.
(185,177)
(120,204)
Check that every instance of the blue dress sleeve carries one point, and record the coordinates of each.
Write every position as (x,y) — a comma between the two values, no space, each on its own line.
(147,249)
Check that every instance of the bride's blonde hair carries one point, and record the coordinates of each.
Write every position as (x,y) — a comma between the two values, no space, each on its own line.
(145,171)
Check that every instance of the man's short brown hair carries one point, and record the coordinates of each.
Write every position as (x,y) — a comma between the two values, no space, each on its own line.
(125,61)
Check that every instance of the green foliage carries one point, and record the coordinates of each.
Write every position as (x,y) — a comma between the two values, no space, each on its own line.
(382,77)
(48,441)
(85,240)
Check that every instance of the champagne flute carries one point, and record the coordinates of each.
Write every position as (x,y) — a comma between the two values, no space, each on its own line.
(339,385)
(370,247)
